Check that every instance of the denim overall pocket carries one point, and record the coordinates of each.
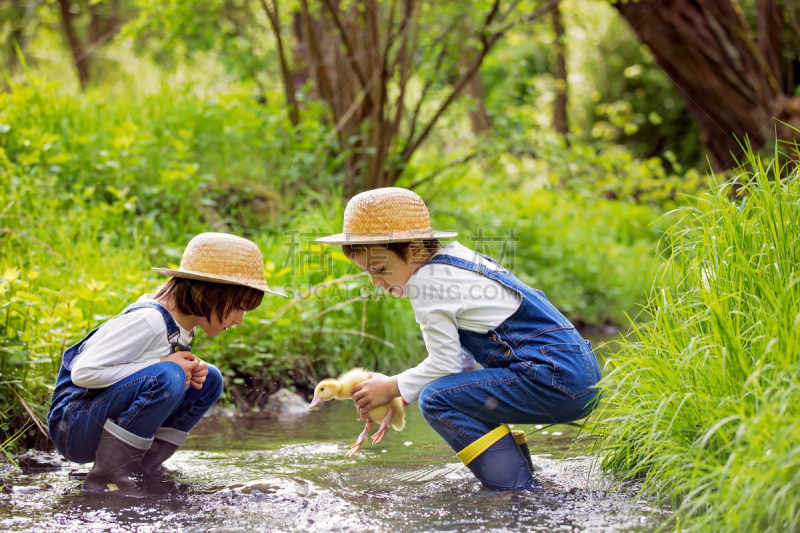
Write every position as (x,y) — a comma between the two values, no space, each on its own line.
(572,370)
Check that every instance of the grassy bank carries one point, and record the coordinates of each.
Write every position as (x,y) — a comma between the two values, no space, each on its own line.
(94,191)
(702,403)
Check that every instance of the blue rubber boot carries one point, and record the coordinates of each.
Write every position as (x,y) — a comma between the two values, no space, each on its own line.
(522,442)
(497,461)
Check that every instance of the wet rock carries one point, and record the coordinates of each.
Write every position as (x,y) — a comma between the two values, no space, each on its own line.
(7,469)
(286,402)
(36,460)
(22,491)
(220,410)
(260,488)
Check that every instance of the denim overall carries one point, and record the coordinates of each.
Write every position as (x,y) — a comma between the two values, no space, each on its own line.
(141,403)
(537,369)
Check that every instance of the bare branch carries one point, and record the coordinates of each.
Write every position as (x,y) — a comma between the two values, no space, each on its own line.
(288,82)
(410,148)
(510,10)
(488,40)
(320,71)
(103,38)
(497,34)
(441,169)
(439,60)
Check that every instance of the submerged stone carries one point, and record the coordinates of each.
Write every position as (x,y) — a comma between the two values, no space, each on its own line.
(286,402)
(38,460)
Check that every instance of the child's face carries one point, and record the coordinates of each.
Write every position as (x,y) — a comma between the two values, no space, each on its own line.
(385,268)
(215,326)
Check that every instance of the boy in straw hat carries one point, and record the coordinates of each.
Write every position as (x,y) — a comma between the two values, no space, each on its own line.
(535,367)
(129,392)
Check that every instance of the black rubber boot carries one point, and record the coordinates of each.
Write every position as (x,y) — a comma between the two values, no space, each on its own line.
(497,461)
(159,452)
(114,461)
(522,442)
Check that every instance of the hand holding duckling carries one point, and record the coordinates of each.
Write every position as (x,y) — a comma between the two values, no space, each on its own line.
(377,390)
(391,413)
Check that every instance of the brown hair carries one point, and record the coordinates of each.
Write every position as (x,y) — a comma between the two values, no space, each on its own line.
(202,298)
(400,248)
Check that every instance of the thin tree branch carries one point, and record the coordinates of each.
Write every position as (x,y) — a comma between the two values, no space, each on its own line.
(530,17)
(288,83)
(103,38)
(338,306)
(442,39)
(488,41)
(351,56)
(320,71)
(441,169)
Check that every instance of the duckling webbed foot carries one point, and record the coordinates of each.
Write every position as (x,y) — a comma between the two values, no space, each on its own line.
(361,438)
(378,436)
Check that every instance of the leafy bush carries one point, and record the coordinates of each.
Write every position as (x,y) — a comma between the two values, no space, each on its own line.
(702,402)
(95,193)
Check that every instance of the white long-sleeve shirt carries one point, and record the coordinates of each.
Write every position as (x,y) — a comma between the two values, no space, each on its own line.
(122,347)
(446,299)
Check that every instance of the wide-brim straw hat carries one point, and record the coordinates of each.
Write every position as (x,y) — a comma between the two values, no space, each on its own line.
(222,258)
(386,215)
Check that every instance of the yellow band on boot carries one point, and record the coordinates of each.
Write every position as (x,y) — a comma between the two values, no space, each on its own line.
(519,436)
(479,446)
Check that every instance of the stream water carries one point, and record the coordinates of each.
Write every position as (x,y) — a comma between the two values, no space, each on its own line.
(249,473)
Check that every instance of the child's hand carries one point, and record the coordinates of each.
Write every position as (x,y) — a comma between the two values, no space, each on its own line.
(199,375)
(376,391)
(188,363)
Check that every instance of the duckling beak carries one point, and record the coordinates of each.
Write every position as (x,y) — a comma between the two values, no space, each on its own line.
(315,402)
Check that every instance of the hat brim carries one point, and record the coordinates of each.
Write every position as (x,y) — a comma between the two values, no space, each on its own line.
(216,279)
(382,238)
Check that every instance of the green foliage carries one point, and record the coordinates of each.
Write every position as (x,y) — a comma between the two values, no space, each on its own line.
(702,400)
(95,192)
(636,104)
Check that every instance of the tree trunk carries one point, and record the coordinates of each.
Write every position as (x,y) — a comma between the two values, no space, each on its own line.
(80,59)
(560,74)
(286,74)
(474,89)
(300,70)
(729,86)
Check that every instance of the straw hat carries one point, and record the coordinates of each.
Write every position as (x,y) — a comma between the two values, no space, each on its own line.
(386,215)
(222,258)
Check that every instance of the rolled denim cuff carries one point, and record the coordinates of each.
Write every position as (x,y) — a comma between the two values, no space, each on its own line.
(171,435)
(140,443)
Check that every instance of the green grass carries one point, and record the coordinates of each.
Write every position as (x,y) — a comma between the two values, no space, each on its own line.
(703,401)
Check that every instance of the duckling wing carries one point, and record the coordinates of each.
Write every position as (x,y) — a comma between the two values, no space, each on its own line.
(399,417)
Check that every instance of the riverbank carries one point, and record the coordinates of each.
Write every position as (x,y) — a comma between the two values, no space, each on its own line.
(702,400)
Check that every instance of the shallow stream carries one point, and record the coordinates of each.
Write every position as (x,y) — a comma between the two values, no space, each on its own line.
(248,473)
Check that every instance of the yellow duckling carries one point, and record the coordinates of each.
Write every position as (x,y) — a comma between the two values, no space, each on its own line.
(391,414)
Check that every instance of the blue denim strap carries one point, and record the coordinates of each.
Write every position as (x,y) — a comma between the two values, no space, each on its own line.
(458,262)
(173,330)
